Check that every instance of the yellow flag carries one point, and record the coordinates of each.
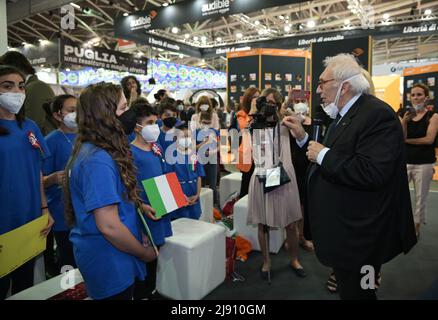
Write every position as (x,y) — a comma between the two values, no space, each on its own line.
(22,244)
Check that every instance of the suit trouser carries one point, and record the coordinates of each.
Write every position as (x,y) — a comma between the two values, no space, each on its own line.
(421,175)
(351,283)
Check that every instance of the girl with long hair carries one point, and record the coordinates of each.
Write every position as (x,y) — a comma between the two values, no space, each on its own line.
(102,198)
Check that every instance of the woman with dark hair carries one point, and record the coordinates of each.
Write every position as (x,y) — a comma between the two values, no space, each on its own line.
(279,208)
(243,119)
(102,198)
(420,128)
(60,143)
(22,150)
(160,96)
(131,88)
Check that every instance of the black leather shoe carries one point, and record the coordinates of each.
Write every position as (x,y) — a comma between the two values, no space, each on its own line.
(264,275)
(299,272)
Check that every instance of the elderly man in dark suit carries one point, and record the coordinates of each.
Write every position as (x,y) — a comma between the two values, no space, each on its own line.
(358,196)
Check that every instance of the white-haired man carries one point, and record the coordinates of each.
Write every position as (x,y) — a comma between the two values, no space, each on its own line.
(359,206)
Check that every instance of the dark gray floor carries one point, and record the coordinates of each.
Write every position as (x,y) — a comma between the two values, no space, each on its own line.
(405,277)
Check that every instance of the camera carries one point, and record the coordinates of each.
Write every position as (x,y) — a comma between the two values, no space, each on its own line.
(410,109)
(265,110)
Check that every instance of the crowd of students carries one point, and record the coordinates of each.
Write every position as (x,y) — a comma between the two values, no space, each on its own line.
(86,174)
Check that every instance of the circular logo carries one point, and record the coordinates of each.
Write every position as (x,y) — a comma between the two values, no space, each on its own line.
(183,73)
(173,71)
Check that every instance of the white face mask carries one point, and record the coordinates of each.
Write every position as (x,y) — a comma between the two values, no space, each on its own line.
(419,107)
(180,107)
(150,133)
(184,143)
(204,107)
(12,101)
(332,109)
(301,108)
(70,120)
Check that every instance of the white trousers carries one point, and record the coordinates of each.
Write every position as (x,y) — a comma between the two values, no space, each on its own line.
(421,175)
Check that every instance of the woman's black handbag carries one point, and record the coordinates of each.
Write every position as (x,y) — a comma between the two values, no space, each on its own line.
(284,177)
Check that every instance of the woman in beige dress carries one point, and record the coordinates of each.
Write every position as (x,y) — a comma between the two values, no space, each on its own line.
(279,208)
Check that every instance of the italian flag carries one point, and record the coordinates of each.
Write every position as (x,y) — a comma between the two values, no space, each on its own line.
(164,193)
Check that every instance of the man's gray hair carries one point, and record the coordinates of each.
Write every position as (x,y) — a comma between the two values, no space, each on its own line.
(345,66)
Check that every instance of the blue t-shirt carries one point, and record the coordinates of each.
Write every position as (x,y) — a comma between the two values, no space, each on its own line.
(206,149)
(188,173)
(150,165)
(20,169)
(165,139)
(60,145)
(131,136)
(95,183)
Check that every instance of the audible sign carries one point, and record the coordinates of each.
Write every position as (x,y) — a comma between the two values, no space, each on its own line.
(190,12)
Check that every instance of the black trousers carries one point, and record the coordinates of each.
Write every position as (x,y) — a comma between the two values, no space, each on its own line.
(50,263)
(64,249)
(246,177)
(350,283)
(22,279)
(124,295)
(144,288)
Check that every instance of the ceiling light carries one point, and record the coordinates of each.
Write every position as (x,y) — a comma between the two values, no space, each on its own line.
(311,24)
(346,22)
(180,56)
(281,17)
(286,28)
(68,69)
(195,38)
(256,22)
(126,14)
(175,30)
(165,4)
(218,39)
(204,39)
(428,12)
(261,32)
(386,16)
(239,35)
(187,36)
(75,5)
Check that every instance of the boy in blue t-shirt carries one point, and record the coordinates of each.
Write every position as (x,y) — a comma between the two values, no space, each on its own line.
(167,122)
(189,172)
(60,143)
(149,160)
(207,149)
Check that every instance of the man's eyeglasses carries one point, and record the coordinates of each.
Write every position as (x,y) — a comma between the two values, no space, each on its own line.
(321,83)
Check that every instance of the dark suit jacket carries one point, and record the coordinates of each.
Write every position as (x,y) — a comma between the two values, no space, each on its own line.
(358,199)
(37,93)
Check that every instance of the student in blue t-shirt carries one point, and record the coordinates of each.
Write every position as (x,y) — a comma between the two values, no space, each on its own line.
(60,143)
(207,147)
(109,246)
(150,163)
(22,149)
(168,117)
(189,172)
